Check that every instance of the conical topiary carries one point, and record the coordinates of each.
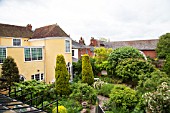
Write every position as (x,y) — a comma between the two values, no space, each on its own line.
(62,76)
(87,73)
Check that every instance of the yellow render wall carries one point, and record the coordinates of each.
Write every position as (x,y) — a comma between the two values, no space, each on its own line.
(53,47)
(25,68)
(7,41)
(37,43)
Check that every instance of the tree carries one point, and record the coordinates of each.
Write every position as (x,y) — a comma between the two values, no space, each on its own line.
(163,46)
(62,76)
(102,54)
(10,71)
(166,66)
(121,53)
(87,73)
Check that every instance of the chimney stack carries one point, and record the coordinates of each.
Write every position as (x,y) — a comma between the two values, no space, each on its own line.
(29,26)
(81,41)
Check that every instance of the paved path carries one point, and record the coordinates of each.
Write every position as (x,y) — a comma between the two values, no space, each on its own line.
(101,102)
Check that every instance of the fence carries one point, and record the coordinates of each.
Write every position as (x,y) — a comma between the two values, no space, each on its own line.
(21,104)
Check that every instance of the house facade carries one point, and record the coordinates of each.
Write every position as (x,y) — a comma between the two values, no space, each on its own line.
(35,51)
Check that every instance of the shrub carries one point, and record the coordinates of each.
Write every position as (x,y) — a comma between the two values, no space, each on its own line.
(62,76)
(150,82)
(123,97)
(98,84)
(61,109)
(87,73)
(158,101)
(47,108)
(83,92)
(131,69)
(71,105)
(106,89)
(121,53)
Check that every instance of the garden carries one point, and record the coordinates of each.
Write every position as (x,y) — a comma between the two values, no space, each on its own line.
(132,83)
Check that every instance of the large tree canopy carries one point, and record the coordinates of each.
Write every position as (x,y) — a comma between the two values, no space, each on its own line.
(163,46)
(122,53)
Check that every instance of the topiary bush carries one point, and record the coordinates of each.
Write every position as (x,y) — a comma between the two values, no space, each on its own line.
(131,69)
(122,53)
(61,109)
(123,97)
(62,76)
(87,73)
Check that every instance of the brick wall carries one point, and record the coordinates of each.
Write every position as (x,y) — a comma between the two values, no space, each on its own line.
(85,51)
(151,53)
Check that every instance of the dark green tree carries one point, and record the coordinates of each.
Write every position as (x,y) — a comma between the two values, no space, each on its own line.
(163,46)
(87,72)
(62,76)
(10,71)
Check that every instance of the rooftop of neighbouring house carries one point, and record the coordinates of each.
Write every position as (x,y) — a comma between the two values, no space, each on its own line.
(76,45)
(149,44)
(49,31)
(7,30)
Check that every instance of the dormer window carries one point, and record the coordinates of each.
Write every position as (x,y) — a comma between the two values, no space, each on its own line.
(16,42)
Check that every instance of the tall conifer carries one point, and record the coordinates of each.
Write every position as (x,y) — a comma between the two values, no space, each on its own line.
(87,73)
(62,76)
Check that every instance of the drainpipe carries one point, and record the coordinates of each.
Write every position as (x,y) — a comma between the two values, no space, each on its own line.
(45,78)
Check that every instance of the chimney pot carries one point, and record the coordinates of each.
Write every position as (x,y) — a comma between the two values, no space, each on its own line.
(29,26)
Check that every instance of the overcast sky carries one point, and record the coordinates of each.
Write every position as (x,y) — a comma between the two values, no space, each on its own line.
(113,19)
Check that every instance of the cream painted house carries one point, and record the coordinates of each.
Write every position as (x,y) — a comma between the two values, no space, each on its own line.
(35,51)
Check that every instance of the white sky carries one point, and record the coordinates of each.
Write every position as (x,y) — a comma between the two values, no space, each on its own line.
(113,19)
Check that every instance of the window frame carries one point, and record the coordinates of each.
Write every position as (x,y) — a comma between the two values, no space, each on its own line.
(5,54)
(67,47)
(16,39)
(73,52)
(41,78)
(31,55)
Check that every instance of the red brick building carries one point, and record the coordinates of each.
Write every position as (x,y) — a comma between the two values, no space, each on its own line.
(146,46)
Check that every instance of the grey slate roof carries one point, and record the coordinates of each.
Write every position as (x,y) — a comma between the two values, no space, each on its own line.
(139,44)
(76,45)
